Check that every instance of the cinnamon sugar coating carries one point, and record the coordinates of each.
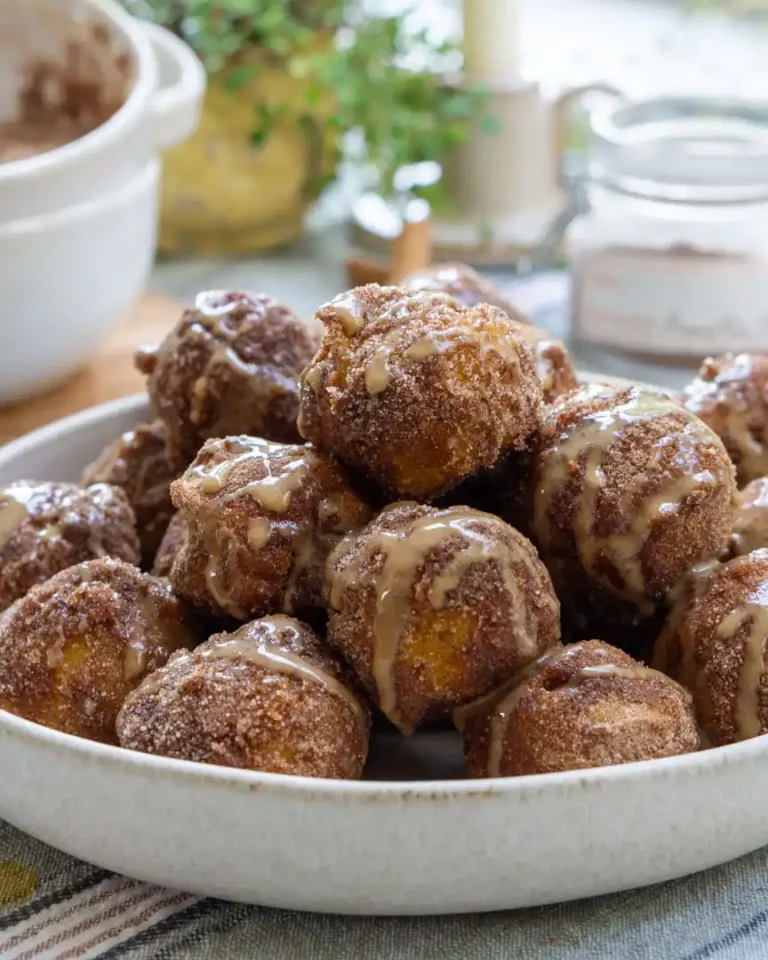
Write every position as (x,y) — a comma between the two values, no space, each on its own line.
(730,393)
(261,519)
(553,362)
(46,527)
(465,284)
(267,697)
(74,647)
(172,544)
(416,392)
(630,491)
(714,643)
(580,706)
(137,463)
(435,607)
(231,365)
(750,529)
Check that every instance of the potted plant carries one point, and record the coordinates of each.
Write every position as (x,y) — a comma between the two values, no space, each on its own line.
(288,81)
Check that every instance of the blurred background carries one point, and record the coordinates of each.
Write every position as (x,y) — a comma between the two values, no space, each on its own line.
(605,161)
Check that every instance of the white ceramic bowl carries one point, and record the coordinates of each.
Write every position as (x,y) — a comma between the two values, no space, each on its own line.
(67,277)
(165,91)
(439,846)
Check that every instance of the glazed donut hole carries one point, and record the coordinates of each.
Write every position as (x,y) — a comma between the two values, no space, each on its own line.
(137,463)
(433,607)
(415,392)
(260,520)
(553,362)
(267,697)
(630,491)
(730,394)
(46,527)
(173,542)
(231,365)
(416,517)
(74,647)
(465,284)
(579,706)
(714,644)
(750,528)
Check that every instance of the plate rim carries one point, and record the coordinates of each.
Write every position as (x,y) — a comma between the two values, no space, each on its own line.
(248,781)
(320,788)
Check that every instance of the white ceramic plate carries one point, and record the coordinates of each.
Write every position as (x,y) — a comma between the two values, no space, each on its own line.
(376,847)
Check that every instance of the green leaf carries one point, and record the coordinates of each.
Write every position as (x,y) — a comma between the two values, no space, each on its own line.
(267,116)
(489,125)
(239,77)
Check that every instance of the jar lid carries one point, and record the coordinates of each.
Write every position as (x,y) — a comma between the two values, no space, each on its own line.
(683,149)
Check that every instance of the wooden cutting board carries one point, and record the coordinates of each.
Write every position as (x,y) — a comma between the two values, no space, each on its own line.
(109,374)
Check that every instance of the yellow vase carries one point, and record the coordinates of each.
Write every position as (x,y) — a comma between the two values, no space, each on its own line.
(223,196)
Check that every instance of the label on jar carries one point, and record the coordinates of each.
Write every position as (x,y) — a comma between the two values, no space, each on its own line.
(680,302)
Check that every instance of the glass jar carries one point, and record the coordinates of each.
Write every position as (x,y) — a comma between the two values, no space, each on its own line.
(670,258)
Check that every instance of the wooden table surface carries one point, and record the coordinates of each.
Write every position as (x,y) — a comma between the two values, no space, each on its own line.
(110,374)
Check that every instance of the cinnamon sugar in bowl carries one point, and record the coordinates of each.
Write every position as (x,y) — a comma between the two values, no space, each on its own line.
(82,120)
(81,104)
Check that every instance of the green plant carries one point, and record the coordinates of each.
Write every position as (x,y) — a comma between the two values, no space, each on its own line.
(393,86)
(372,74)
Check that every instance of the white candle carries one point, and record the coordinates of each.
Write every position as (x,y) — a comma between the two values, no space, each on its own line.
(491,40)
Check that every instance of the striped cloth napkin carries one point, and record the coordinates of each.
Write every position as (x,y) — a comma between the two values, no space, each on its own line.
(53,907)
